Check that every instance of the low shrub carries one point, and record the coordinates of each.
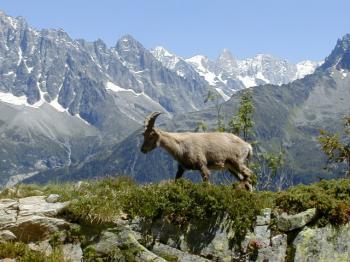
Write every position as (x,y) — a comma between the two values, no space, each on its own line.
(331,198)
(22,253)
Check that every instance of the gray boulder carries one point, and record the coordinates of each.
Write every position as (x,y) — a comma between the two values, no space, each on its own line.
(264,218)
(52,198)
(42,246)
(119,243)
(7,235)
(31,218)
(290,222)
(323,244)
(72,252)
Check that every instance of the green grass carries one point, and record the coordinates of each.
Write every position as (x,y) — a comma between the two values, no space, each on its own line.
(103,201)
(22,253)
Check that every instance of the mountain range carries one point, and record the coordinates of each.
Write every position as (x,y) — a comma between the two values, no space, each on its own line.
(288,116)
(72,109)
(228,74)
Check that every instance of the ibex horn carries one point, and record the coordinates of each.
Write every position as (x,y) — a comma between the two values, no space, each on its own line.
(150,120)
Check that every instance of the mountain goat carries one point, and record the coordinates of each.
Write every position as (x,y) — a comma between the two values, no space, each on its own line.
(201,151)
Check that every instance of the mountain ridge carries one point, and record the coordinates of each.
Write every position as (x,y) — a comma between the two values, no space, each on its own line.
(47,79)
(289,115)
(245,73)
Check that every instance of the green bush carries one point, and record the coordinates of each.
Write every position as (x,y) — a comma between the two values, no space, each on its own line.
(331,198)
(103,201)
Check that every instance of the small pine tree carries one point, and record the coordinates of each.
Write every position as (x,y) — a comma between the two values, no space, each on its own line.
(271,170)
(337,151)
(211,96)
(242,123)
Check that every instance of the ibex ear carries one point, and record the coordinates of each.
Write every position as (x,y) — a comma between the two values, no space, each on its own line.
(150,120)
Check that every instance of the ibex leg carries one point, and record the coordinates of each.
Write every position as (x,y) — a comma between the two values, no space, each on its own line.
(180,172)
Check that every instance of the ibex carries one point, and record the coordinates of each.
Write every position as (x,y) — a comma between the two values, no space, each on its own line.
(201,151)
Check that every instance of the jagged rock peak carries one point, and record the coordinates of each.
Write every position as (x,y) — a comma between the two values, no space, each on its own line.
(340,56)
(226,54)
(160,51)
(13,22)
(226,59)
(128,43)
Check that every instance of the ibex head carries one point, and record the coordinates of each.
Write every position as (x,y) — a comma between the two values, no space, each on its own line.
(150,135)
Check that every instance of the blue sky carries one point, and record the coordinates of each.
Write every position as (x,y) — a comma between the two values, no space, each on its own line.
(291,29)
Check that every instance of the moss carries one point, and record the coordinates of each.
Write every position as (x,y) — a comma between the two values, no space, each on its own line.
(90,255)
(130,252)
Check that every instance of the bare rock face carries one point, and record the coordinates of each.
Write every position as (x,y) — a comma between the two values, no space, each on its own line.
(113,241)
(8,212)
(7,235)
(72,252)
(31,218)
(43,246)
(323,244)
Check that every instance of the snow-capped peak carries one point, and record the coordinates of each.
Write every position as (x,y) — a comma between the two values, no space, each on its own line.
(227,61)
(197,59)
(203,66)
(167,58)
(229,74)
(306,67)
(160,51)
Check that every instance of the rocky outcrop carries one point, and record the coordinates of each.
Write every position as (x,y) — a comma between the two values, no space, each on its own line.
(36,221)
(31,218)
(323,244)
(122,242)
(7,235)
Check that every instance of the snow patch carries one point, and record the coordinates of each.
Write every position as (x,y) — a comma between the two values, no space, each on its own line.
(247,81)
(209,77)
(22,101)
(224,96)
(260,76)
(20,56)
(54,103)
(222,80)
(113,87)
(344,74)
(17,100)
(13,22)
(78,116)
(12,99)
(168,59)
(304,68)
(161,51)
(198,62)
